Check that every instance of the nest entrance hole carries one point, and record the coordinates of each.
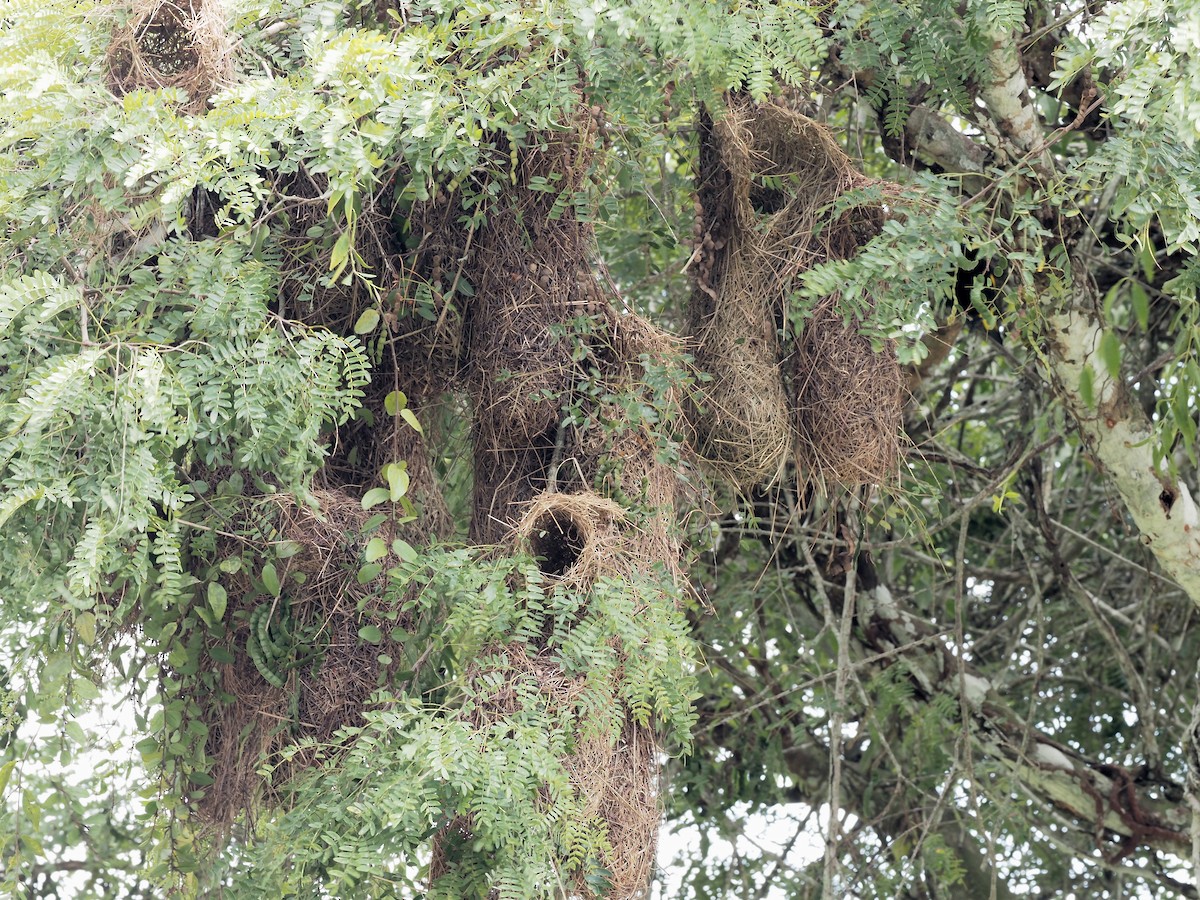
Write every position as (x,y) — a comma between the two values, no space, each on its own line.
(556,541)
(166,40)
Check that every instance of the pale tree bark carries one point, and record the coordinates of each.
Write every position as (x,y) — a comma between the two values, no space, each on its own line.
(1006,94)
(1121,439)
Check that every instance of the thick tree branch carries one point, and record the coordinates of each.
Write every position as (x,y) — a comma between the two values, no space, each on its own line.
(1112,807)
(1121,439)
(1006,94)
(937,143)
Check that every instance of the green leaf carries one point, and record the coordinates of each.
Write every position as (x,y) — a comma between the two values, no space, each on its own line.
(405,551)
(146,745)
(1148,263)
(1110,353)
(367,321)
(230,564)
(85,689)
(1180,410)
(371,634)
(396,475)
(374,497)
(394,402)
(53,674)
(270,579)
(218,600)
(32,844)
(221,655)
(85,627)
(1087,385)
(340,255)
(6,771)
(1110,299)
(410,417)
(17,499)
(1141,304)
(287,549)
(369,572)
(75,732)
(376,549)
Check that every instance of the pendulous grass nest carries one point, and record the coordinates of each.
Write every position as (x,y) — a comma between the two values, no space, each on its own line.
(171,43)
(768,176)
(321,673)
(577,539)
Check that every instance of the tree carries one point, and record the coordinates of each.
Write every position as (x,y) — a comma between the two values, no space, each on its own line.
(460,435)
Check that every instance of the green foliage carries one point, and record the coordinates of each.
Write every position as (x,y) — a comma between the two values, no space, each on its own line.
(903,47)
(361,822)
(158,368)
(890,301)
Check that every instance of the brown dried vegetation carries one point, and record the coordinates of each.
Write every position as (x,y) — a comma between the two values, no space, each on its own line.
(545,354)
(171,43)
(829,400)
(579,538)
(247,718)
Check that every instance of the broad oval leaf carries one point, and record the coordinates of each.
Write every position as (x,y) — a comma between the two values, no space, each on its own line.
(374,497)
(218,600)
(270,579)
(394,402)
(367,321)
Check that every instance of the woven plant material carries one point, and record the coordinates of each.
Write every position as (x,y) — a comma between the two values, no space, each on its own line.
(324,686)
(375,438)
(603,451)
(578,539)
(615,778)
(562,469)
(178,44)
(581,538)
(544,339)
(767,177)
(409,287)
(849,401)
(531,257)
(624,460)
(531,254)
(413,354)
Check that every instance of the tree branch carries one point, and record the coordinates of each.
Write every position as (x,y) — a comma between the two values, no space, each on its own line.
(1121,439)
(935,142)
(1102,797)
(1006,94)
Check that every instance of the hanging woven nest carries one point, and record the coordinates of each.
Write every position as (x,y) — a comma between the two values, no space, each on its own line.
(768,177)
(291,663)
(577,539)
(848,402)
(180,44)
